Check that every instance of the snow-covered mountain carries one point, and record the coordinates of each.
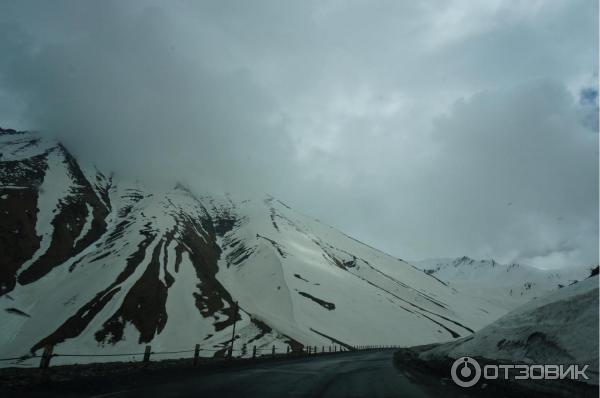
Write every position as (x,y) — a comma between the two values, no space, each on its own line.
(92,263)
(507,286)
(560,327)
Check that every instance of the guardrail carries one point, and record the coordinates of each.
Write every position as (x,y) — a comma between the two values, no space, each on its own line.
(257,352)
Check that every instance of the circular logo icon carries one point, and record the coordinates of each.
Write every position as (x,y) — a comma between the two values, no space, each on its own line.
(465,372)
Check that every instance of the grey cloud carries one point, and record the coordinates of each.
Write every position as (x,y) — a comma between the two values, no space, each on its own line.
(411,125)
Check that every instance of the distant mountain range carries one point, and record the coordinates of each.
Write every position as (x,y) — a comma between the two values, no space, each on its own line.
(506,286)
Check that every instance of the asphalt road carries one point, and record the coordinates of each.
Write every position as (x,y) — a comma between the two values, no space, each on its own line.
(358,374)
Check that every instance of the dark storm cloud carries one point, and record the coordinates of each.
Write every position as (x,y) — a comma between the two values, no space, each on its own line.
(128,95)
(588,99)
(425,128)
(589,95)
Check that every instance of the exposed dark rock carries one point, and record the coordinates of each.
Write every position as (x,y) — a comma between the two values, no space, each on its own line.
(300,277)
(17,311)
(322,303)
(334,340)
(276,245)
(18,209)
(143,306)
(68,224)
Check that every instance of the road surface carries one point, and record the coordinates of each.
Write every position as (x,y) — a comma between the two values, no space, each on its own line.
(357,374)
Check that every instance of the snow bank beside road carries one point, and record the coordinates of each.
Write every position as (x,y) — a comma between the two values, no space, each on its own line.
(559,328)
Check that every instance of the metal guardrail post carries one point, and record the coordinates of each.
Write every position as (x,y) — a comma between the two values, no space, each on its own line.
(46,356)
(147,353)
(196,354)
(235,311)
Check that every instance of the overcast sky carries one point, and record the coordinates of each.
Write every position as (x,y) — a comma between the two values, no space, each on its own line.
(427,129)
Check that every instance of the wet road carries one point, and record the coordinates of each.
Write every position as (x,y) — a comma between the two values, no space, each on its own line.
(359,374)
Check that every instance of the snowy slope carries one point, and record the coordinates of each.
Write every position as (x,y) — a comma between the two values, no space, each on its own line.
(558,328)
(94,264)
(507,286)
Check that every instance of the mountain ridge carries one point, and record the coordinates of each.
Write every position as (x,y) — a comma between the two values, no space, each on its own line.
(94,263)
(508,285)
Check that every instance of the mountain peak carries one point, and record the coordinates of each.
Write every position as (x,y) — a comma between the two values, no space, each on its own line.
(119,265)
